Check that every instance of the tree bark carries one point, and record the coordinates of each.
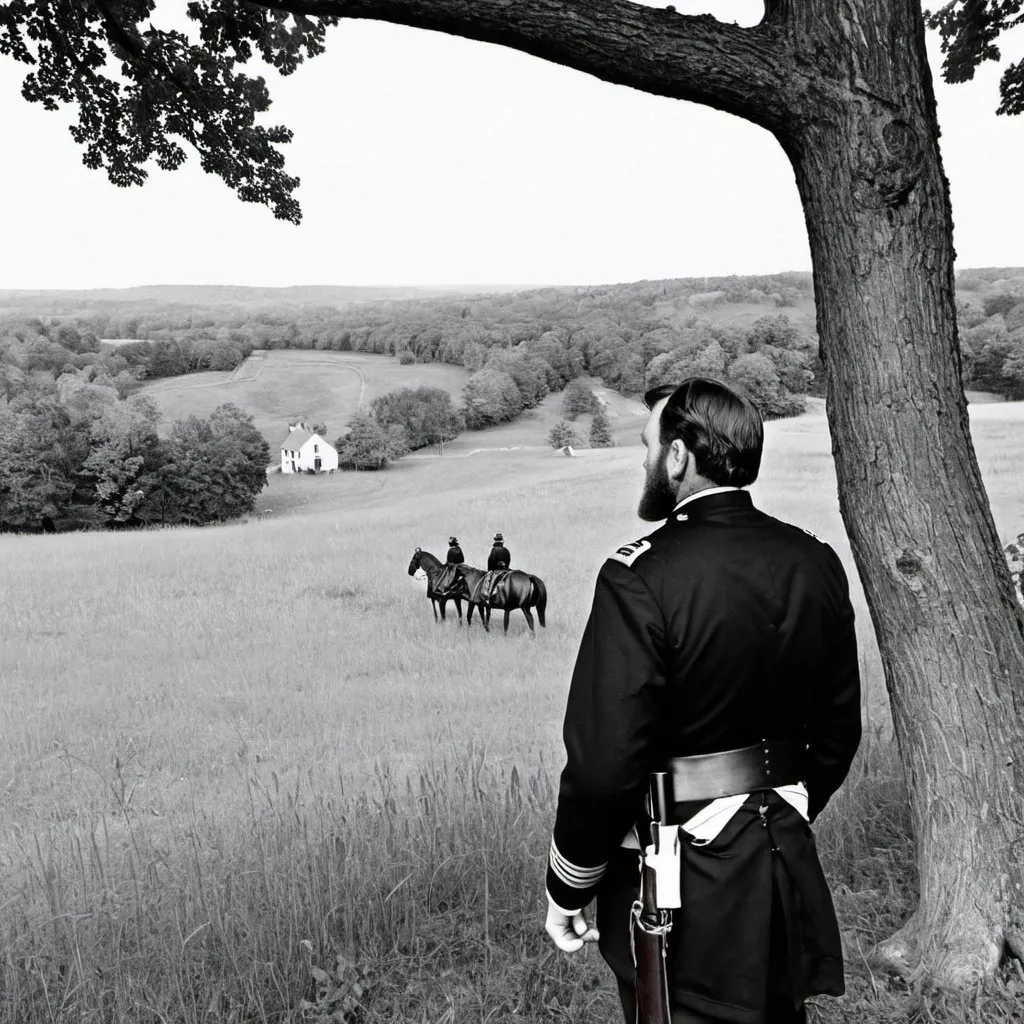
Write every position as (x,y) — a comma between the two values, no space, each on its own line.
(949,630)
(847,90)
(744,71)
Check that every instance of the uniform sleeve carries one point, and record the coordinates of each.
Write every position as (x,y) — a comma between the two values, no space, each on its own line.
(609,733)
(834,728)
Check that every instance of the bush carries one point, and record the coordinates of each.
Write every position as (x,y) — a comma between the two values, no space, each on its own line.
(217,467)
(427,415)
(490,396)
(1000,303)
(562,434)
(755,376)
(577,400)
(368,445)
(530,373)
(406,356)
(601,431)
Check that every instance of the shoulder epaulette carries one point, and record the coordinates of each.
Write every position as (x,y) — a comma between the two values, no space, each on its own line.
(810,534)
(629,553)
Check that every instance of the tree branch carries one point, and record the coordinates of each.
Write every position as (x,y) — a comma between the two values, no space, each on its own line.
(744,71)
(118,35)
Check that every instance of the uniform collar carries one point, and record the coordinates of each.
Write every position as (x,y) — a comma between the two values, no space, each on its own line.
(704,494)
(712,500)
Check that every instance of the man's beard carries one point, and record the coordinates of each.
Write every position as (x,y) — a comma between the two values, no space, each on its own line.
(659,497)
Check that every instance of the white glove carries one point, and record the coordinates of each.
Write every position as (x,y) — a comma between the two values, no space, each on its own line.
(568,928)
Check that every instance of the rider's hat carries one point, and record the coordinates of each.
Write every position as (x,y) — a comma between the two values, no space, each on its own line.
(498,539)
(453,540)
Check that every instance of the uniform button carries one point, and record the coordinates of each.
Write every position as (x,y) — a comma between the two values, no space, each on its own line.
(772,628)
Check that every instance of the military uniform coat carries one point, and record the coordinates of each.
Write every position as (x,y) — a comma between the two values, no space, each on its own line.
(722,628)
(455,556)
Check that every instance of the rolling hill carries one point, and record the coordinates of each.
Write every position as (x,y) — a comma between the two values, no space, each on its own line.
(285,385)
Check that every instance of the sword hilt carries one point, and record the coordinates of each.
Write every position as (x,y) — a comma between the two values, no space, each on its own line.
(659,795)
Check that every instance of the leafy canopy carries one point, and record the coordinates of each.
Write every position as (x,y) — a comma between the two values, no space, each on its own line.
(143,92)
(969,30)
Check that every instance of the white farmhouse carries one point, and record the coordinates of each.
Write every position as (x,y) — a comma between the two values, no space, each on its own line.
(302,450)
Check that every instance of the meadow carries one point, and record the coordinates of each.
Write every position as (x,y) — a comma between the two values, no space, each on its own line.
(284,385)
(245,777)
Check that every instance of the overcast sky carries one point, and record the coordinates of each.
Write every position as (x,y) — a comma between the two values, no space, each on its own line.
(427,159)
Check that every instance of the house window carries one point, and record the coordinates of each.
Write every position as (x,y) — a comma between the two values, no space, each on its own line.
(316,448)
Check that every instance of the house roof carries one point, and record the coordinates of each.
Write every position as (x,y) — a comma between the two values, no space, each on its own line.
(296,439)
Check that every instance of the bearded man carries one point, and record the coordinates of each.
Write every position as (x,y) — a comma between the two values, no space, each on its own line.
(720,649)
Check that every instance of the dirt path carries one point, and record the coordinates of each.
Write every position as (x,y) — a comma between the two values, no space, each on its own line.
(424,455)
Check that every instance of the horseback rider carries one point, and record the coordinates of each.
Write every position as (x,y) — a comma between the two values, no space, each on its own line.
(499,558)
(497,566)
(455,555)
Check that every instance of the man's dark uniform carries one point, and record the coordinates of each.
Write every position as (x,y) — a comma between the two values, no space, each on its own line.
(455,556)
(723,628)
(499,558)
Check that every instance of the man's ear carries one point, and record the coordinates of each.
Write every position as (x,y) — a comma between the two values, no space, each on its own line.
(678,459)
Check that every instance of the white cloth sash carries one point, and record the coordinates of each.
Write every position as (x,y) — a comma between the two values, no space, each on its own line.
(709,821)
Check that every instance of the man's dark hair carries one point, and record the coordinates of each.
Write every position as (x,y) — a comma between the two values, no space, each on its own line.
(721,429)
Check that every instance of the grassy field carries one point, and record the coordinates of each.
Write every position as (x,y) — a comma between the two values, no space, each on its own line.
(739,314)
(242,766)
(285,385)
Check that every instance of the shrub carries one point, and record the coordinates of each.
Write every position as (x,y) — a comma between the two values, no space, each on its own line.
(578,400)
(755,376)
(1001,302)
(562,434)
(368,445)
(427,415)
(490,397)
(601,431)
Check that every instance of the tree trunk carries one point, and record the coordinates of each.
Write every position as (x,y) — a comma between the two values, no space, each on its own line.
(876,201)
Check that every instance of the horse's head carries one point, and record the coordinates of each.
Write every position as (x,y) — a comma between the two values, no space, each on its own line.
(414,564)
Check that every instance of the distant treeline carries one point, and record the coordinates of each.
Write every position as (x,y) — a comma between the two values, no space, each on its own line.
(614,332)
(611,331)
(518,347)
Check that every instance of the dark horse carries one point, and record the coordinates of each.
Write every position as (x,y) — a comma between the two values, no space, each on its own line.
(511,589)
(438,573)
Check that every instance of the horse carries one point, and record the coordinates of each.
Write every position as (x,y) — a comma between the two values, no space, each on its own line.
(438,572)
(511,589)
(464,584)
(467,584)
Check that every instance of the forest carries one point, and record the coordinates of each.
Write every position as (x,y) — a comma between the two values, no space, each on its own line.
(78,444)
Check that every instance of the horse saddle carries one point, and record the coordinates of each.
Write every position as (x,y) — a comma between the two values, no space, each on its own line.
(490,585)
(448,582)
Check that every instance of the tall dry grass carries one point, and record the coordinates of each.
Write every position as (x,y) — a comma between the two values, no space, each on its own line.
(245,777)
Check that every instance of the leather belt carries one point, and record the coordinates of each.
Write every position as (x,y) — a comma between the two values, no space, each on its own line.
(764,765)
